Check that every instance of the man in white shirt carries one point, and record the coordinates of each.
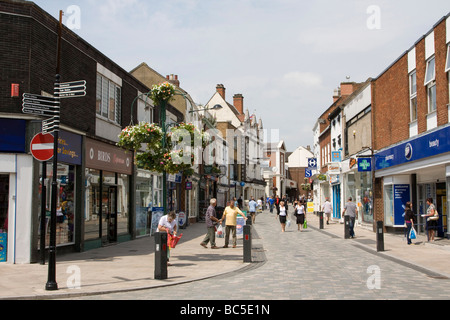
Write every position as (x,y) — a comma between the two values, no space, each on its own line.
(327,208)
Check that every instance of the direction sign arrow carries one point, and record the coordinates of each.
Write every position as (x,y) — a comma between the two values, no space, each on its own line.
(72,83)
(39,112)
(71,94)
(38,97)
(40,106)
(70,89)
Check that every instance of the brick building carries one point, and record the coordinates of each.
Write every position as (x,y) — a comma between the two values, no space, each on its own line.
(96,200)
(410,117)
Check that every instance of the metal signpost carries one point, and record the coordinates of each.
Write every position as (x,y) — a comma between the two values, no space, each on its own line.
(49,107)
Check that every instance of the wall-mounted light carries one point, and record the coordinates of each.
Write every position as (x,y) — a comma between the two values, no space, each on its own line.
(354,133)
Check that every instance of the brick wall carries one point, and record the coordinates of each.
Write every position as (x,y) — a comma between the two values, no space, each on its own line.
(390,105)
(28,47)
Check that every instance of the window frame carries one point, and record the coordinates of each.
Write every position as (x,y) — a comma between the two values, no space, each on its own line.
(413,96)
(108,100)
(428,79)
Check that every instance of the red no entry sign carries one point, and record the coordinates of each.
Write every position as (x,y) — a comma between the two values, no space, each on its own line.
(42,147)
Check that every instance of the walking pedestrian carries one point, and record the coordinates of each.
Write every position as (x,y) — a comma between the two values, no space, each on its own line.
(300,215)
(409,220)
(282,215)
(168,224)
(432,219)
(211,221)
(240,203)
(271,203)
(230,214)
(327,208)
(252,209)
(351,210)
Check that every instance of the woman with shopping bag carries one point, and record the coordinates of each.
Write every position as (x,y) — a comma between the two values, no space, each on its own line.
(409,221)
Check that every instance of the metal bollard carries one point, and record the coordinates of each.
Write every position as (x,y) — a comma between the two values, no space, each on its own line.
(161,255)
(380,236)
(247,243)
(347,227)
(321,219)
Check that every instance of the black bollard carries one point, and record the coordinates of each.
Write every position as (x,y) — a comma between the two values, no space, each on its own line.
(248,243)
(380,236)
(161,255)
(347,227)
(321,219)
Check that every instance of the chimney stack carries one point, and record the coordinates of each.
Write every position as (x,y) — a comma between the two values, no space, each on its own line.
(239,103)
(347,88)
(221,90)
(173,79)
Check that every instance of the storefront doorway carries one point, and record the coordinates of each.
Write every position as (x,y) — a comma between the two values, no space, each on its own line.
(109,214)
(337,201)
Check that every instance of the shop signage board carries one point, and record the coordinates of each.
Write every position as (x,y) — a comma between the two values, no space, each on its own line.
(42,147)
(364,164)
(402,194)
(428,145)
(102,156)
(312,163)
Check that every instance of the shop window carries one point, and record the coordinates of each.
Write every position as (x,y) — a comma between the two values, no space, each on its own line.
(65,206)
(389,205)
(123,204)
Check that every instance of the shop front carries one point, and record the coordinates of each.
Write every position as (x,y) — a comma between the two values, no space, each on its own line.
(16,181)
(414,171)
(358,185)
(108,195)
(148,197)
(69,188)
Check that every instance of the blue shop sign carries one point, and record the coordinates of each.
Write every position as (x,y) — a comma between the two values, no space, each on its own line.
(364,164)
(402,194)
(431,144)
(12,135)
(69,148)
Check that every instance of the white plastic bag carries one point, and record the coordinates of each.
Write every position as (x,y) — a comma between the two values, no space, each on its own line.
(288,223)
(219,231)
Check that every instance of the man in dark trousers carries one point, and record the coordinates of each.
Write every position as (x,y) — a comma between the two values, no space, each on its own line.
(211,220)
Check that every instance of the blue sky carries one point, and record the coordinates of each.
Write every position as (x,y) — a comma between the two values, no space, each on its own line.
(285,56)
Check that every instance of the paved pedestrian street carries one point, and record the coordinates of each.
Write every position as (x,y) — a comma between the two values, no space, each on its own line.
(312,264)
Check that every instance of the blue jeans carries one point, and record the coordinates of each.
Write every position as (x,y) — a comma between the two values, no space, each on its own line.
(352,226)
(408,230)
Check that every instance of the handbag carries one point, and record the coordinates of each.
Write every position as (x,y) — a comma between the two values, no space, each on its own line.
(412,233)
(305,225)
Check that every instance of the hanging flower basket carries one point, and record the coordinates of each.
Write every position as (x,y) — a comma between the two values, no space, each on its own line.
(132,137)
(162,93)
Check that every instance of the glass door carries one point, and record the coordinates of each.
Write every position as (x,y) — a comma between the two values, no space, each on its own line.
(109,214)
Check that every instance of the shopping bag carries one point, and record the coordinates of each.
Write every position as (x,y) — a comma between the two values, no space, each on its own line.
(173,240)
(412,234)
(288,223)
(305,225)
(219,231)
